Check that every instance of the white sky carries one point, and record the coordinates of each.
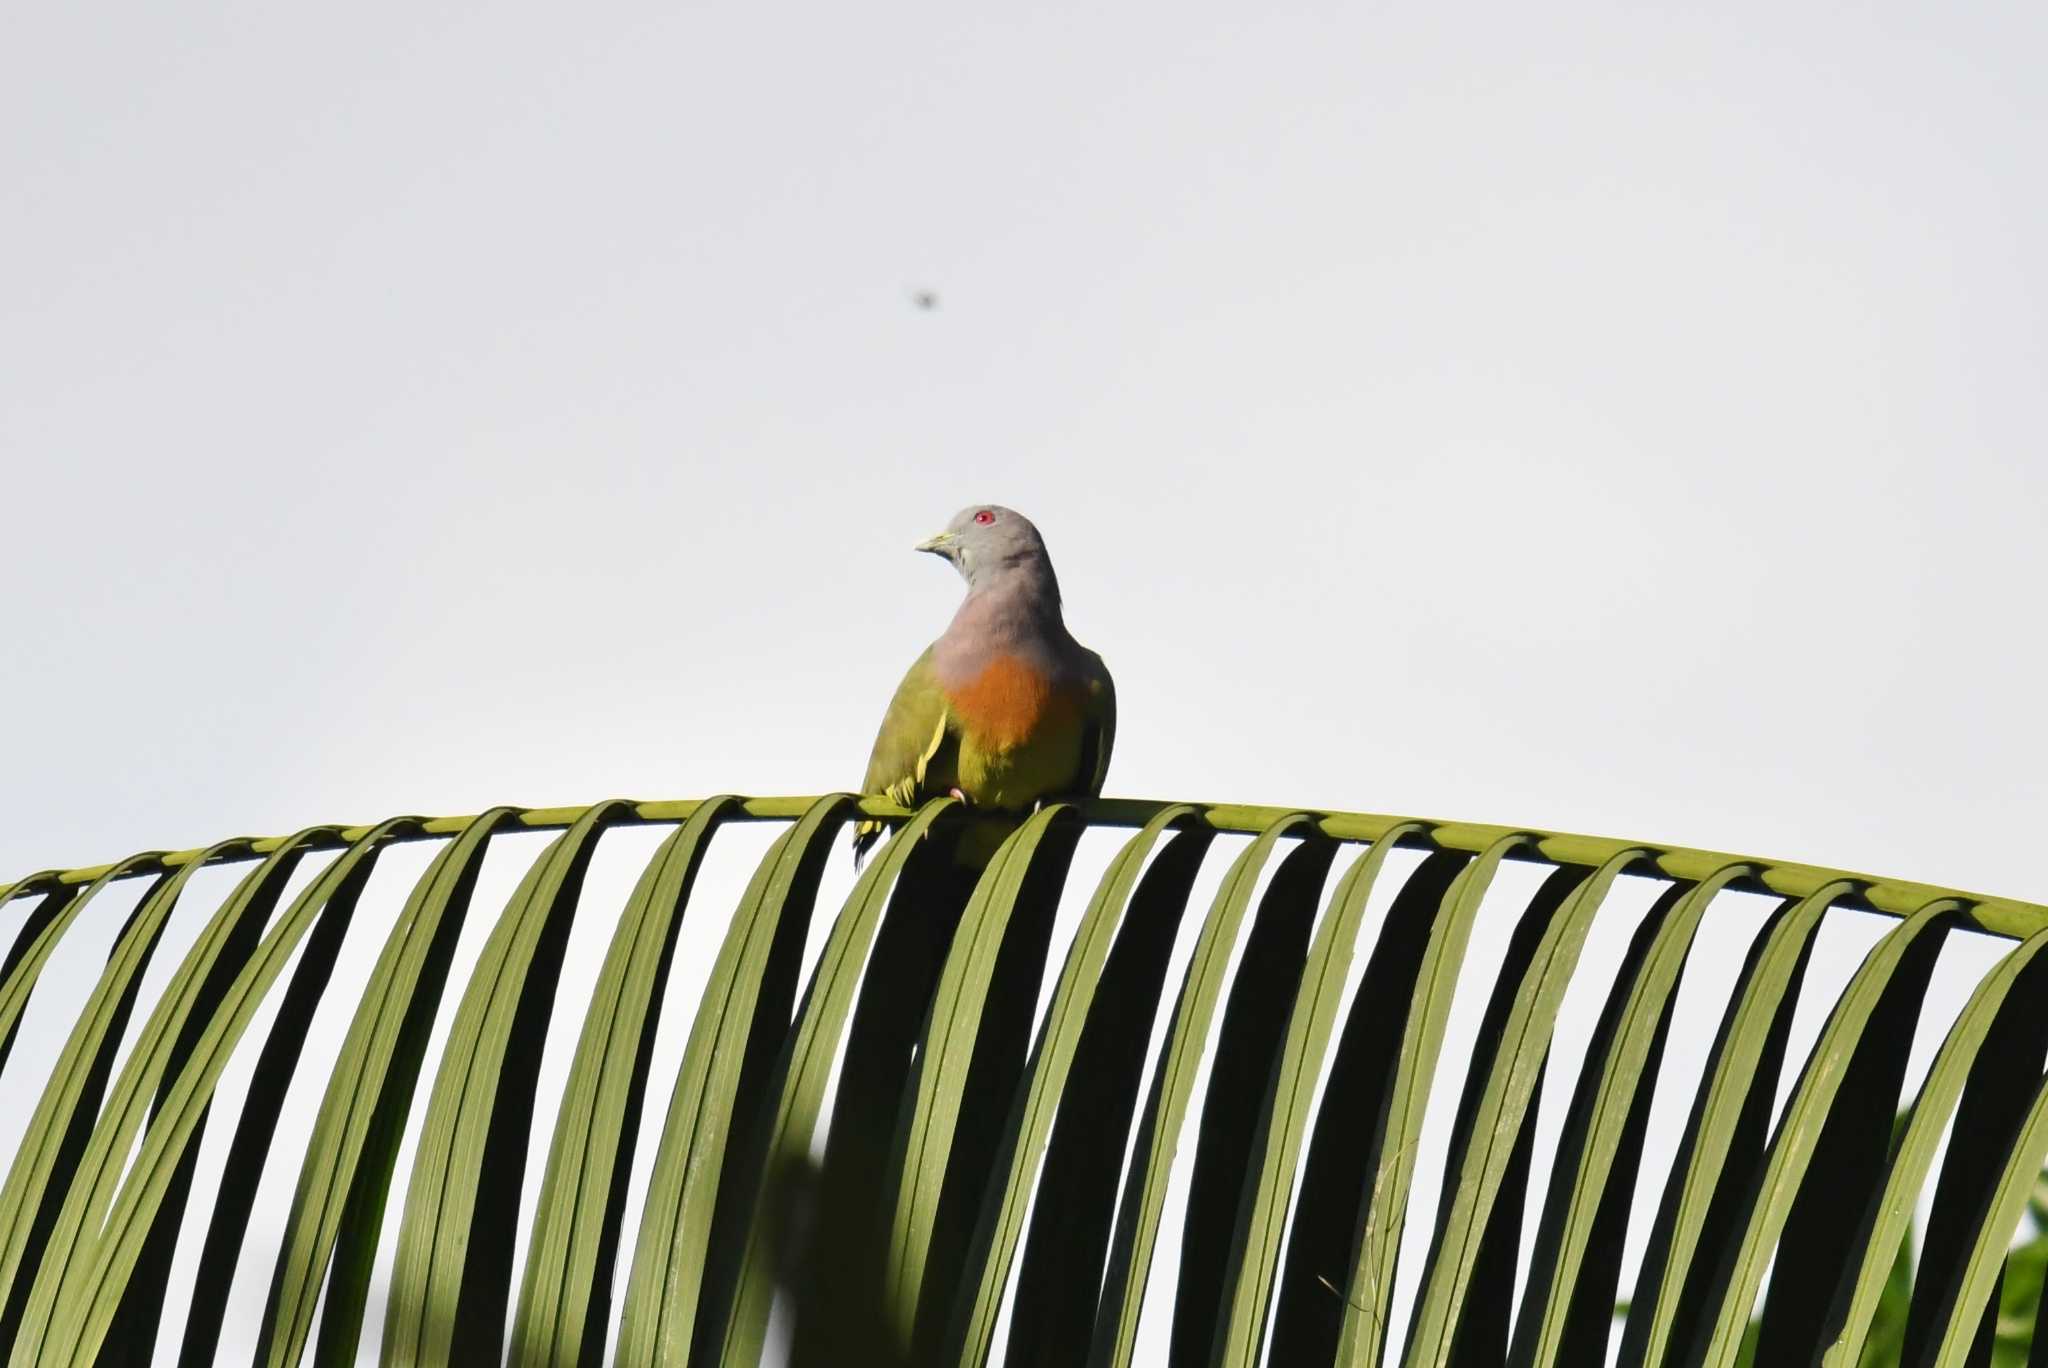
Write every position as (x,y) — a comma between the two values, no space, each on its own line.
(1597,417)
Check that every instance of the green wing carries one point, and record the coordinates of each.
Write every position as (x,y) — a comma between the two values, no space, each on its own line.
(1098,736)
(915,750)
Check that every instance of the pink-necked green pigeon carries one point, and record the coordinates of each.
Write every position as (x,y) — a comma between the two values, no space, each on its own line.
(1005,708)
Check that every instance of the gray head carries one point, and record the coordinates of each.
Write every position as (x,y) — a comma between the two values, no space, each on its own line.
(994,546)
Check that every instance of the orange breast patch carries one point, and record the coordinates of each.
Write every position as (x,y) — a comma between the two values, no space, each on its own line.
(1008,702)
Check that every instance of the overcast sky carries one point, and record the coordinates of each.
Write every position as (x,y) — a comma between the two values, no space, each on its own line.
(1595,417)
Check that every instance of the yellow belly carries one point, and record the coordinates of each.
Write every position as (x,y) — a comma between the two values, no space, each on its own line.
(1020,740)
(1046,762)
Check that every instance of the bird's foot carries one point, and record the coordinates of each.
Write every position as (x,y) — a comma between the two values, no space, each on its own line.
(957,796)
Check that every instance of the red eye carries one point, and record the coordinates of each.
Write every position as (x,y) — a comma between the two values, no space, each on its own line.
(984,517)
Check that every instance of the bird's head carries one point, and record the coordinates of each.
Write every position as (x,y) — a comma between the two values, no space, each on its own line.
(988,543)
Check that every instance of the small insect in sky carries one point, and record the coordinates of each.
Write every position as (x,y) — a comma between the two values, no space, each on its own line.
(925,299)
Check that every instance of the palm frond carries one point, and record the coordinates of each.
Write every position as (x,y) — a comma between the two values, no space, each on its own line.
(962,1134)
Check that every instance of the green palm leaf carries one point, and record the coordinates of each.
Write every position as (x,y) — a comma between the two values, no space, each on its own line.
(1246,1144)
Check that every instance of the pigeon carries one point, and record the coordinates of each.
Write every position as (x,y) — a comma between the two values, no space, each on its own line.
(1005,709)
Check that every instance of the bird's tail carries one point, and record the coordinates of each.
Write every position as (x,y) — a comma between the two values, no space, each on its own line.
(983,837)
